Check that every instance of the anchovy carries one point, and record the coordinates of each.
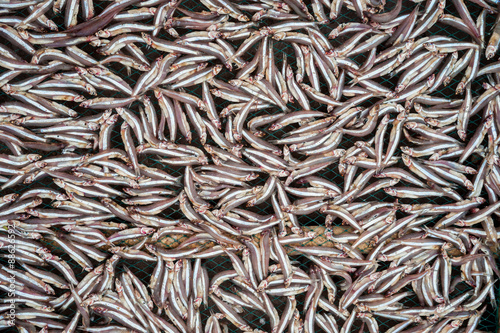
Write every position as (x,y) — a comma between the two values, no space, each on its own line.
(282,174)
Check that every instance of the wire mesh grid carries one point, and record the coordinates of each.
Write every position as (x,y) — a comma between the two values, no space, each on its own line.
(282,50)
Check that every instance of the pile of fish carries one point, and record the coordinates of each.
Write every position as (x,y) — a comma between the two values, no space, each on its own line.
(174,134)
